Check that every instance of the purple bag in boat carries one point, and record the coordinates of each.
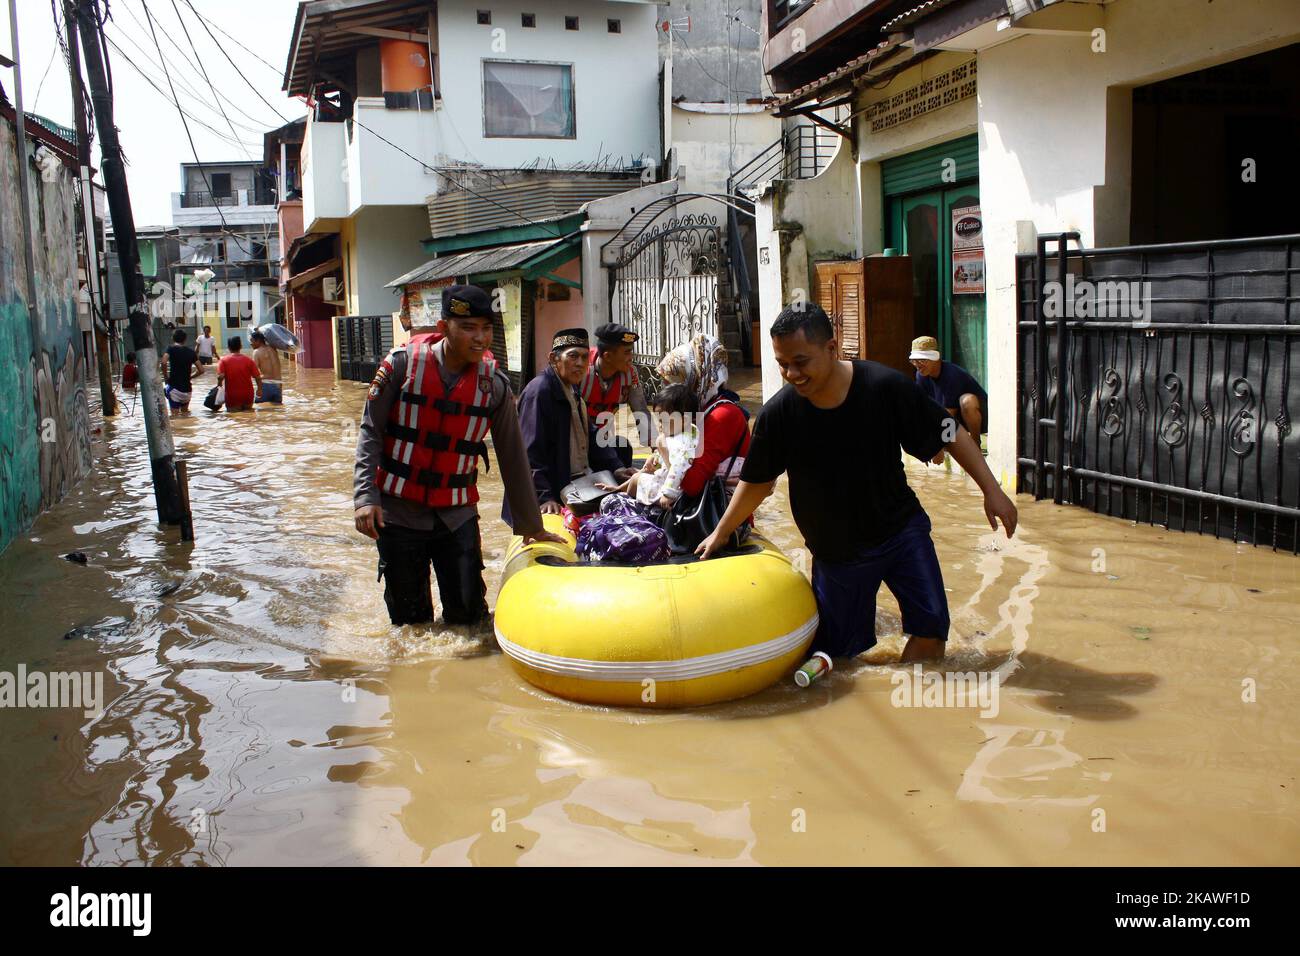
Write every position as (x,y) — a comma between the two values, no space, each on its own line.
(631,539)
(621,504)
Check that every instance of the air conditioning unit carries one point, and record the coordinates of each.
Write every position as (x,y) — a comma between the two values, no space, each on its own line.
(329,287)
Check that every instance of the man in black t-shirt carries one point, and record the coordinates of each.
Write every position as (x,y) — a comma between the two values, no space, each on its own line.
(836,428)
(179,364)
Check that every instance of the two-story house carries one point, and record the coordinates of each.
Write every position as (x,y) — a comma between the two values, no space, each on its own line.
(421,108)
(225,223)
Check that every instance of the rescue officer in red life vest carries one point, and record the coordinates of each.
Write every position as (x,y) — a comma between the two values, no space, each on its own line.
(611,380)
(430,406)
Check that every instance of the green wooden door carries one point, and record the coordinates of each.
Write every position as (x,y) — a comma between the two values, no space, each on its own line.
(921,191)
(921,227)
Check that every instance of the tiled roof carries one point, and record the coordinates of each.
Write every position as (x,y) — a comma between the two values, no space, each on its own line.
(915,13)
(849,68)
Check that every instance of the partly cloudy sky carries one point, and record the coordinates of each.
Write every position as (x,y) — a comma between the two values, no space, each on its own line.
(153,137)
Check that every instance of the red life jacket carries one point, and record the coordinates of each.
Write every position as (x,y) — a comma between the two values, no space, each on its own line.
(433,439)
(600,398)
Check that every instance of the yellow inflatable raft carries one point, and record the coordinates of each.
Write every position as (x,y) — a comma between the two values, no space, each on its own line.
(664,635)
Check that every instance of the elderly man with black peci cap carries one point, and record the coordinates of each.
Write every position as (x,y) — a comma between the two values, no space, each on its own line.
(431,404)
(558,433)
(611,380)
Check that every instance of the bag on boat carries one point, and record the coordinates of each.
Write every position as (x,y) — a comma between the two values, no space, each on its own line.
(621,504)
(582,496)
(629,539)
(692,518)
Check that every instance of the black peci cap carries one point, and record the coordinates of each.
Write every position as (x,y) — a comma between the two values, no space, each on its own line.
(466,302)
(568,338)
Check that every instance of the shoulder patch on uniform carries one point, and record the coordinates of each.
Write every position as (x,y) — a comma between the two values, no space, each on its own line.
(382,375)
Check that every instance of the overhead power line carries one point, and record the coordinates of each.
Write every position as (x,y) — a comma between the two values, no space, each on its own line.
(193,149)
(190,40)
(163,93)
(197,97)
(205,21)
(247,82)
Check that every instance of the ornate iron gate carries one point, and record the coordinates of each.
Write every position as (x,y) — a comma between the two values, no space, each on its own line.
(1178,413)
(665,286)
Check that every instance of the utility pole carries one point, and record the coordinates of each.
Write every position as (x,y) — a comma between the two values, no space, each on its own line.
(162,454)
(98,313)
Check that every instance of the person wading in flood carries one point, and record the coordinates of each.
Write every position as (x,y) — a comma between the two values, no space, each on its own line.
(430,405)
(180,364)
(951,386)
(206,346)
(268,363)
(241,376)
(836,428)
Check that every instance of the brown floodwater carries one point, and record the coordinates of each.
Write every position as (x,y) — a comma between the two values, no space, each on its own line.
(259,709)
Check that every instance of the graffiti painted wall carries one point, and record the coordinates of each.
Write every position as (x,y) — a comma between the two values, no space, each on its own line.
(44,420)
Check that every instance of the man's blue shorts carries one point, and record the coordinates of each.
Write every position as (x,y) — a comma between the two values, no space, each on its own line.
(271,393)
(846,592)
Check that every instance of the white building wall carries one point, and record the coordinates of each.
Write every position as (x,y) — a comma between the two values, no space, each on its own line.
(324,172)
(711,144)
(615,78)
(387,245)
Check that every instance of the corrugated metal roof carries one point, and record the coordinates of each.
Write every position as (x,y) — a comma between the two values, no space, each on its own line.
(476,262)
(519,203)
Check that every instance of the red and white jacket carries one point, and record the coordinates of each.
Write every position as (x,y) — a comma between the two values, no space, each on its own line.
(602,398)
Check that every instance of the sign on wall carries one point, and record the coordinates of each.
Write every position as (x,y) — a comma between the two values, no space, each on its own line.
(967,251)
(512,319)
(422,302)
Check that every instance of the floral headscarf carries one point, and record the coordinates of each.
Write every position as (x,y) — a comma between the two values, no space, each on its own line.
(700,364)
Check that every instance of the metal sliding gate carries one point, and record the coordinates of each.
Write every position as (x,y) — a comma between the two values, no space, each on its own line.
(1157,383)
(364,341)
(665,286)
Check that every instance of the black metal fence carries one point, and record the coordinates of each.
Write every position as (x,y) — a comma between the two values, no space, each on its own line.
(364,340)
(1156,383)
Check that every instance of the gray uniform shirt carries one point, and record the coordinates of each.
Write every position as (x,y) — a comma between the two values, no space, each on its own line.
(507,442)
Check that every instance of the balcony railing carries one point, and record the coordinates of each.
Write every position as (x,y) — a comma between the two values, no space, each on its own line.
(242,197)
(801,153)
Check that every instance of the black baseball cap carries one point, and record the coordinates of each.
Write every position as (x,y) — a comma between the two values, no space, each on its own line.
(466,302)
(615,334)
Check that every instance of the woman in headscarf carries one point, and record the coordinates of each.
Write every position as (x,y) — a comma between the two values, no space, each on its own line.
(701,365)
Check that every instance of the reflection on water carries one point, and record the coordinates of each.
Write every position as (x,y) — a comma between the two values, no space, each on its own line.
(260,709)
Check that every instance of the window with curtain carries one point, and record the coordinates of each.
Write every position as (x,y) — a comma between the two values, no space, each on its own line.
(528,99)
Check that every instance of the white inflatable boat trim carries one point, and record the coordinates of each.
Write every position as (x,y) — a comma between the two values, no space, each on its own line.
(632,671)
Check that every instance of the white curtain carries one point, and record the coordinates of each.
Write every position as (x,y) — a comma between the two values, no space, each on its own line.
(525,99)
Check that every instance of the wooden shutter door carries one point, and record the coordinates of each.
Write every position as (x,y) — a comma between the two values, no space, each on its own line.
(839,292)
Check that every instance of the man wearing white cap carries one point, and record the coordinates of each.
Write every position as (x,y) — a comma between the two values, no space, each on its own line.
(951,386)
